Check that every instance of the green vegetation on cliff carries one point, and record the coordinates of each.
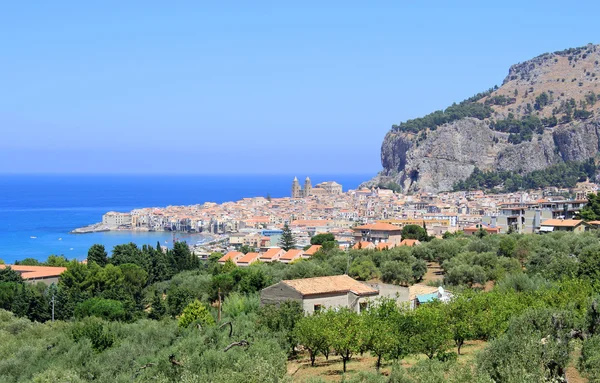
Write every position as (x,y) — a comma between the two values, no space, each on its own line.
(467,108)
(564,175)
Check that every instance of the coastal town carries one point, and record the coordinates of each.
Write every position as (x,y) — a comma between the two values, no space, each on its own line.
(362,217)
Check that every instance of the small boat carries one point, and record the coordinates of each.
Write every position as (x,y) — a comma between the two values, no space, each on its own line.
(60,239)
(71,249)
(32,237)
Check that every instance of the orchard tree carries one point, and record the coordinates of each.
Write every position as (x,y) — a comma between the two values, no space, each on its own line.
(311,332)
(378,326)
(345,333)
(461,319)
(430,332)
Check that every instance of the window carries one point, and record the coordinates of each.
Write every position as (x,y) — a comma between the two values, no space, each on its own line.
(362,306)
(317,308)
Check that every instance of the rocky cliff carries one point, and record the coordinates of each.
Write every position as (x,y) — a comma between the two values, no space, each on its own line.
(545,112)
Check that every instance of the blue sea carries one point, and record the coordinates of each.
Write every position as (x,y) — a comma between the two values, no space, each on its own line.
(48,207)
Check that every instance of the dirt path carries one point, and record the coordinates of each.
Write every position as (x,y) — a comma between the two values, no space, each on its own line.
(434,272)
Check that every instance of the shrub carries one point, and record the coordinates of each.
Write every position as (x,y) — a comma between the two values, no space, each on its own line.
(196,313)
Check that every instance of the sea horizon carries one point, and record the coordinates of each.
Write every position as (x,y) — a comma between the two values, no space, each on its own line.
(37,211)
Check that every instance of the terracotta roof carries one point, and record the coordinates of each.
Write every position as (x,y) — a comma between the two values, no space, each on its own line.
(562,222)
(232,255)
(271,253)
(379,226)
(363,245)
(384,245)
(410,242)
(291,255)
(33,272)
(312,250)
(332,284)
(249,258)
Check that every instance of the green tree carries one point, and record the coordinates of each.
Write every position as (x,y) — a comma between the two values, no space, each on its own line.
(461,319)
(591,211)
(97,253)
(345,334)
(378,326)
(430,333)
(287,241)
(183,257)
(158,308)
(108,309)
(197,313)
(246,249)
(326,240)
(282,319)
(414,232)
(363,269)
(311,332)
(9,275)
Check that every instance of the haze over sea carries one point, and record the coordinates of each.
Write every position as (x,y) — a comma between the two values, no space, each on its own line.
(49,206)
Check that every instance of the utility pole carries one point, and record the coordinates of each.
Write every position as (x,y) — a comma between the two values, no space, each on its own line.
(219,313)
(52,301)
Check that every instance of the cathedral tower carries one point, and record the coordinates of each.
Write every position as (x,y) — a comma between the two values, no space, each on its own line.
(307,187)
(296,192)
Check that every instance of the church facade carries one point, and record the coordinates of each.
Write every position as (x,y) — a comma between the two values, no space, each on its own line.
(324,188)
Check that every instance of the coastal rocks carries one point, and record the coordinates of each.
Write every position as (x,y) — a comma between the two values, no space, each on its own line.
(95,228)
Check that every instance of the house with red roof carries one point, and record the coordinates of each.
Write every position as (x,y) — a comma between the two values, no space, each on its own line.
(273,254)
(378,232)
(291,255)
(34,274)
(248,259)
(231,256)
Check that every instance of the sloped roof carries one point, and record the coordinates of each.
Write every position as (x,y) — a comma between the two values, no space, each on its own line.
(410,242)
(232,255)
(562,222)
(291,254)
(313,249)
(272,252)
(32,272)
(363,245)
(249,257)
(328,285)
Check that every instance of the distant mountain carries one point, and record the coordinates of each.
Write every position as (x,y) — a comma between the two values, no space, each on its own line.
(545,113)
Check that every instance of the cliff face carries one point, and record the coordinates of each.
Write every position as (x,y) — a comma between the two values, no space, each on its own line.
(551,86)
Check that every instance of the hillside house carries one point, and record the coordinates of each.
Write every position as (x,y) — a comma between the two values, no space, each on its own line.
(34,274)
(572,225)
(321,293)
(248,259)
(272,254)
(378,232)
(231,256)
(291,255)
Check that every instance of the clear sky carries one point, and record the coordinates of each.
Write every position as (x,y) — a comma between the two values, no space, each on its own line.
(250,86)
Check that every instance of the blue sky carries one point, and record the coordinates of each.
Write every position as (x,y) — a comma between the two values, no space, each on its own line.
(249,87)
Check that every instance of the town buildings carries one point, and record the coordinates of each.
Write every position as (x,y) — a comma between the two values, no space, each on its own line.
(354,216)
